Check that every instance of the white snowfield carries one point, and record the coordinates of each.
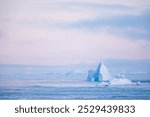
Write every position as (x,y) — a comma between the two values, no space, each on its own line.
(102,75)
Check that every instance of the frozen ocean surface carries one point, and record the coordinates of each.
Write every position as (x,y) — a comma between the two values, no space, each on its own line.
(26,82)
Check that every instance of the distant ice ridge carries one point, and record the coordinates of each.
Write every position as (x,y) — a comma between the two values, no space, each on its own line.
(102,75)
(121,81)
(74,72)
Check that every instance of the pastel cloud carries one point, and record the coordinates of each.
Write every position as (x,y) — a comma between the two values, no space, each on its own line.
(72,45)
(61,32)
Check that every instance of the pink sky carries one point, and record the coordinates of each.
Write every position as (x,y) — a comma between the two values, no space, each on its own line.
(37,32)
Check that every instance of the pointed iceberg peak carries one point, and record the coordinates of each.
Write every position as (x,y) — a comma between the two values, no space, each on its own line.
(100,74)
(104,74)
(98,67)
(101,63)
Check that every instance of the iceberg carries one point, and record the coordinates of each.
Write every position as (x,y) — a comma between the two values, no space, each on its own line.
(100,74)
(104,73)
(121,81)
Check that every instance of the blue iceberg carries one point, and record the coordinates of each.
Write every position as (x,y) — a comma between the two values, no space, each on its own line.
(102,75)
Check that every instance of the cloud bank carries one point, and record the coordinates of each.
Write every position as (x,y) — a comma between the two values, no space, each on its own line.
(70,32)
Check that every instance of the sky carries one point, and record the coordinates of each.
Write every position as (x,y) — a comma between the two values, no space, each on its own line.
(73,31)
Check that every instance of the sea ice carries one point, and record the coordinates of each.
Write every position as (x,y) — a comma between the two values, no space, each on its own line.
(103,84)
(121,81)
